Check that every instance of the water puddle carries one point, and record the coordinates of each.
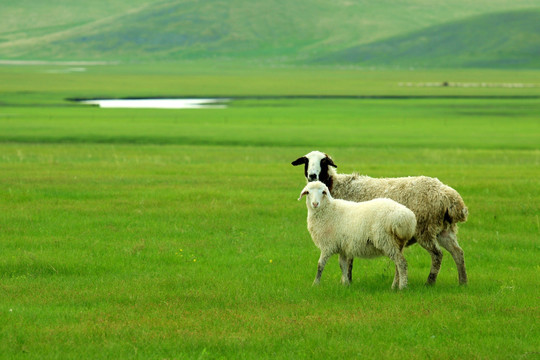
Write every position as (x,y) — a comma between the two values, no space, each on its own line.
(158,103)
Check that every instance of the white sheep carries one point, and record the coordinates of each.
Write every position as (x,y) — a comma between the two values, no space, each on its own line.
(358,229)
(438,208)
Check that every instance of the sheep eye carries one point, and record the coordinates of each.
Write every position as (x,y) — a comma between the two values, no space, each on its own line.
(324,193)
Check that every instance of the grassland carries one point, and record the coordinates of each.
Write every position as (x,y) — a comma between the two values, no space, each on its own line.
(169,234)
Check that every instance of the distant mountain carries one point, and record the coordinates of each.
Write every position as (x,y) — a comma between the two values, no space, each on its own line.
(501,40)
(486,33)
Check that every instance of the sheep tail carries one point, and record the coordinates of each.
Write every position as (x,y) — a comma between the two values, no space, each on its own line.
(405,228)
(457,211)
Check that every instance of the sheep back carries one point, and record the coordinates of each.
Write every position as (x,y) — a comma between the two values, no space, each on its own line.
(368,229)
(431,201)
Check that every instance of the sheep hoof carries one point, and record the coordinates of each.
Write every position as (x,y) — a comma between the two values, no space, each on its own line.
(315,282)
(399,288)
(396,286)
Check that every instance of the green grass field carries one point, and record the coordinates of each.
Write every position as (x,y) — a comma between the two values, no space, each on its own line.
(176,234)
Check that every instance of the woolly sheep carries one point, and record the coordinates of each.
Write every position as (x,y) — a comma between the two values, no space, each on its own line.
(438,207)
(358,229)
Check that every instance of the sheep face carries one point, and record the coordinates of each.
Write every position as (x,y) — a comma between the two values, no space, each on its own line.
(316,166)
(316,194)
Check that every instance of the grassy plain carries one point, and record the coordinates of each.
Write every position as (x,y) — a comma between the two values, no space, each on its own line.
(176,233)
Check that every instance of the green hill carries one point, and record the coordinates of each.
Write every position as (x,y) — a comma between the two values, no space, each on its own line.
(271,31)
(502,40)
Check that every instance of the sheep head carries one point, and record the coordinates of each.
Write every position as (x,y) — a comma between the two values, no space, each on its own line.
(316,166)
(316,193)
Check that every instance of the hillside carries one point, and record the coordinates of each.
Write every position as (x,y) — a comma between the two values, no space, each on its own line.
(499,40)
(272,31)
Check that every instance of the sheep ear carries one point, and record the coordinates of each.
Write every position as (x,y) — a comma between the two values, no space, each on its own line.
(304,192)
(330,161)
(300,161)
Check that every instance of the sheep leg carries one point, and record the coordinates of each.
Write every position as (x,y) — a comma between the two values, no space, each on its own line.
(396,279)
(448,240)
(436,259)
(346,269)
(320,267)
(400,278)
(349,273)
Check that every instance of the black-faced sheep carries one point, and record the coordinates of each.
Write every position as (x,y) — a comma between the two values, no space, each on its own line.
(438,208)
(358,229)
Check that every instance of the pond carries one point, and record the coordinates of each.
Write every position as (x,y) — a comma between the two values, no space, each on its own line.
(159,103)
